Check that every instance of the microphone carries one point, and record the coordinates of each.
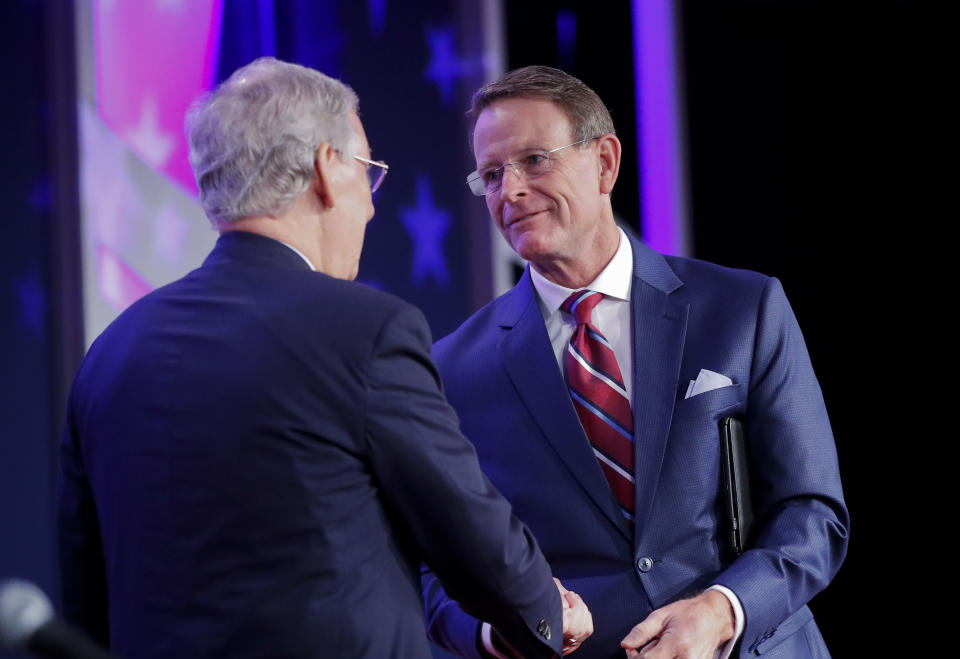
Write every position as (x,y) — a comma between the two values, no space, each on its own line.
(27,622)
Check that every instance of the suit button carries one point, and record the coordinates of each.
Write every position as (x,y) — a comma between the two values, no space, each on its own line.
(543,627)
(645,564)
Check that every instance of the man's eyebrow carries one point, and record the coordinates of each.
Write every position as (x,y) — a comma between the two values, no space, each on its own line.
(487,164)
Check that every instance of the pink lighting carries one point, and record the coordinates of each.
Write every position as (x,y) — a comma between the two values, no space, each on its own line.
(152,60)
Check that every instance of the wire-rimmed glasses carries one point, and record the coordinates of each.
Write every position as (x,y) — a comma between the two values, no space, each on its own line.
(376,172)
(489,180)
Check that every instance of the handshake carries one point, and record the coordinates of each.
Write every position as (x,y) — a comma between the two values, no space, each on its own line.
(577,621)
(577,626)
(696,627)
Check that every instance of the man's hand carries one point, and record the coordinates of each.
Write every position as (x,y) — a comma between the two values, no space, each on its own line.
(577,621)
(689,629)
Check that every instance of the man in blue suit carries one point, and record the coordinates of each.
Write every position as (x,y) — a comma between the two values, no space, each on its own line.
(632,518)
(258,457)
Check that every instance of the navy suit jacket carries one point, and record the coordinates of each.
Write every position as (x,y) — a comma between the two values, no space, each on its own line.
(256,459)
(501,376)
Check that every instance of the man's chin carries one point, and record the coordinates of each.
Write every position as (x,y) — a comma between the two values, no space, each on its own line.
(530,249)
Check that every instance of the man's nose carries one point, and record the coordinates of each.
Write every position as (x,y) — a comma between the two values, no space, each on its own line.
(514,183)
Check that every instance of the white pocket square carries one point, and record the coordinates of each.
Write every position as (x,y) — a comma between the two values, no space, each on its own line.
(707,381)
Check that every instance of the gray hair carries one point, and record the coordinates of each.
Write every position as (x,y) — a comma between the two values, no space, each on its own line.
(587,114)
(254,139)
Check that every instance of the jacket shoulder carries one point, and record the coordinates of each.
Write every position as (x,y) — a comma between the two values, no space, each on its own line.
(696,272)
(480,332)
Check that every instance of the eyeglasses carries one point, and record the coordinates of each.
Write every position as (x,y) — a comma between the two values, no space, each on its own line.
(487,181)
(376,172)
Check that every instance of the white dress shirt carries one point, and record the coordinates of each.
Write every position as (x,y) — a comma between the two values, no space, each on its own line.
(299,253)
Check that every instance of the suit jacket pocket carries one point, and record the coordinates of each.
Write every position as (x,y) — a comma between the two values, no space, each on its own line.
(710,401)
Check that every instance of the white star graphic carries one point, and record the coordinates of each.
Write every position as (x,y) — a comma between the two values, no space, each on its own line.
(147,138)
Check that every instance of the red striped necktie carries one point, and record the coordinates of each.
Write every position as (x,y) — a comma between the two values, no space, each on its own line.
(600,398)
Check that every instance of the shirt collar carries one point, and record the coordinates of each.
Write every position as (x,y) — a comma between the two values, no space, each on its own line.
(298,253)
(613,281)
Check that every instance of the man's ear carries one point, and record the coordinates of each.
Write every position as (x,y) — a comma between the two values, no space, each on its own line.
(326,169)
(609,147)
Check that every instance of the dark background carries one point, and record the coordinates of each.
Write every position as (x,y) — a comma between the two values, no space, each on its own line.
(815,133)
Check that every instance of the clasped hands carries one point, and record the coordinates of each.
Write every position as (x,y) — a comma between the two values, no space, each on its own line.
(693,628)
(577,624)
(577,621)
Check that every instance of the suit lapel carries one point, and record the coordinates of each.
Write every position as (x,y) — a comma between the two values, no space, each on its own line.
(659,329)
(529,361)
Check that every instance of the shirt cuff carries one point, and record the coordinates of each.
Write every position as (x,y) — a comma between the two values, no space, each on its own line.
(738,621)
(486,639)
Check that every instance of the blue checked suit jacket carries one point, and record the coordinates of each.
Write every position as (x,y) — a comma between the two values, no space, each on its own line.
(501,376)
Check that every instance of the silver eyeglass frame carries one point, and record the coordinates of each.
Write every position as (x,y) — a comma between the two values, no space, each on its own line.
(475,182)
(383,167)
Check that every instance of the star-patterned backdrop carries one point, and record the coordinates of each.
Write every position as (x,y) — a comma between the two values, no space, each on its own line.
(413,66)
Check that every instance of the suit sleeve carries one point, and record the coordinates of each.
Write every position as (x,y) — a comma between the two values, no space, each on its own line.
(83,586)
(802,528)
(432,483)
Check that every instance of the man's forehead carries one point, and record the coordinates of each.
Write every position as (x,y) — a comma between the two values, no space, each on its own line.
(516,125)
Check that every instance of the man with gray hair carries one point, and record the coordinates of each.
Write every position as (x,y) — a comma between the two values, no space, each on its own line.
(258,457)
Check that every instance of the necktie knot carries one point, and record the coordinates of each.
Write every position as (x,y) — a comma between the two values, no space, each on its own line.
(580,305)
